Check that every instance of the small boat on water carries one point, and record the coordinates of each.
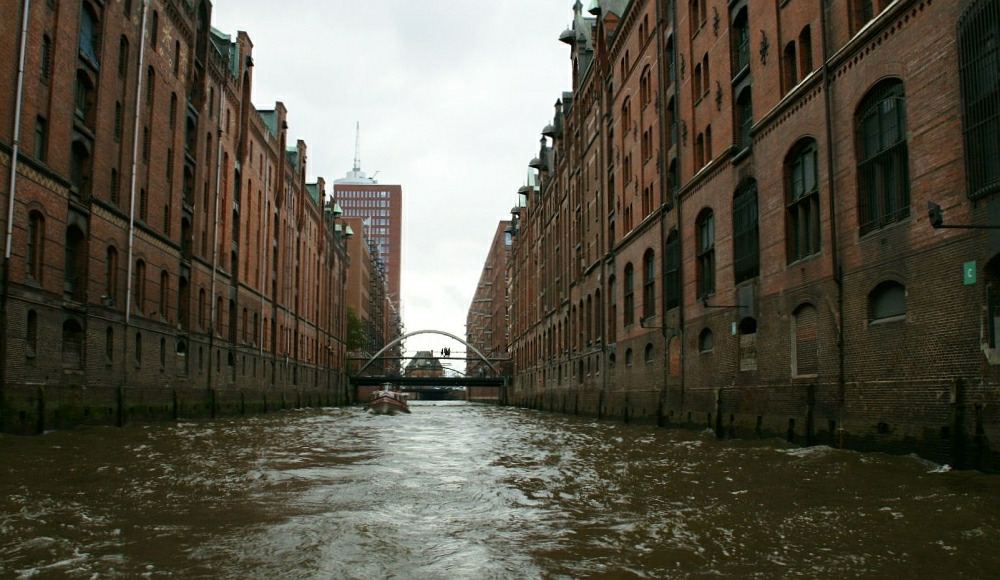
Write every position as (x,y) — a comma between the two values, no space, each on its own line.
(387,402)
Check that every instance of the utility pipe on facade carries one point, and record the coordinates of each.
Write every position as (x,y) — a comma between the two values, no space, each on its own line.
(132,178)
(11,195)
(834,254)
(665,189)
(262,264)
(17,136)
(215,234)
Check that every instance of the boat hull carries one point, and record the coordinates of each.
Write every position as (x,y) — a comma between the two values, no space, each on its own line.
(387,405)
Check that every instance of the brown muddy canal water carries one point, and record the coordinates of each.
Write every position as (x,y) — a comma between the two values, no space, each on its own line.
(456,491)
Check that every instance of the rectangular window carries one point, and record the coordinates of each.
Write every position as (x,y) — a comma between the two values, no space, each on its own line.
(41,138)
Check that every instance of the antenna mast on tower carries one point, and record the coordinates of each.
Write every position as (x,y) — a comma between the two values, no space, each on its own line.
(357,149)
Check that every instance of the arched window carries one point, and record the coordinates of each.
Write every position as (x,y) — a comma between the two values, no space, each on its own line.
(979,66)
(805,52)
(862,11)
(741,43)
(45,69)
(802,202)
(629,295)
(789,68)
(887,302)
(705,82)
(696,83)
(805,346)
(649,353)
(746,242)
(649,284)
(706,341)
(626,116)
(705,227)
(671,276)
(72,348)
(138,349)
(123,57)
(154,30)
(628,357)
(883,172)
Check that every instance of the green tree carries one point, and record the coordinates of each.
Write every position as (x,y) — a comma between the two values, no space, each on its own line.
(355,331)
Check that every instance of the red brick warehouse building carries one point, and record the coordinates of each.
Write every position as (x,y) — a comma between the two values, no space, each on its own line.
(729,226)
(166,255)
(487,321)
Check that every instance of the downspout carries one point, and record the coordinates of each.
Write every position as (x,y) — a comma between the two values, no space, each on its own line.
(132,178)
(11,194)
(680,237)
(664,192)
(215,235)
(17,136)
(263,266)
(838,275)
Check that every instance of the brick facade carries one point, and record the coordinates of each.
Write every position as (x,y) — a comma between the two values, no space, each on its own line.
(167,255)
(486,324)
(786,152)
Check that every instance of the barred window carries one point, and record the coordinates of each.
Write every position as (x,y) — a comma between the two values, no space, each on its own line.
(883,173)
(979,67)
(706,253)
(887,301)
(746,243)
(802,202)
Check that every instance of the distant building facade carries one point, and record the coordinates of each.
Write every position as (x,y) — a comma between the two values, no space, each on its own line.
(166,255)
(424,364)
(367,295)
(380,208)
(486,326)
(729,229)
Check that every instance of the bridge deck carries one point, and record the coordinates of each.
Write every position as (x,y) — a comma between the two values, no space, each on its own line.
(430,381)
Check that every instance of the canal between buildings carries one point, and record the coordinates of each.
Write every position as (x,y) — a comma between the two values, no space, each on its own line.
(456,491)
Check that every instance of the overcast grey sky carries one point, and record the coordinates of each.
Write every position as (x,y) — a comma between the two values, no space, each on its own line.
(451,96)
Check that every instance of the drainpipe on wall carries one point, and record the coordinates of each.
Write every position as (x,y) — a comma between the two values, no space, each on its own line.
(838,275)
(215,235)
(11,194)
(664,192)
(131,225)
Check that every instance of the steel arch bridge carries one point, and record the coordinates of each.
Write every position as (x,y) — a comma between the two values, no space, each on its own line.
(358,379)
